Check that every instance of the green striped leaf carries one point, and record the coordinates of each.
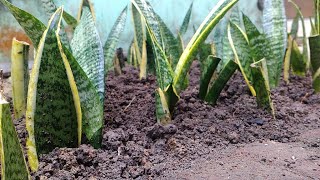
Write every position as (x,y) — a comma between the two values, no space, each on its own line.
(261,85)
(91,106)
(110,46)
(298,64)
(314,42)
(166,96)
(295,26)
(275,27)
(139,28)
(13,164)
(53,114)
(87,49)
(50,8)
(140,40)
(163,68)
(33,27)
(206,75)
(199,37)
(86,4)
(218,85)
(260,45)
(70,20)
(242,55)
(170,43)
(186,21)
(305,62)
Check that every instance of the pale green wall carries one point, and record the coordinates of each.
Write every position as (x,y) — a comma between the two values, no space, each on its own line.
(172,12)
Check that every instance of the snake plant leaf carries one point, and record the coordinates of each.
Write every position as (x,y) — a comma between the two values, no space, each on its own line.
(261,85)
(110,46)
(139,28)
(218,85)
(151,66)
(206,75)
(86,4)
(52,114)
(313,27)
(186,21)
(33,27)
(295,26)
(314,42)
(166,96)
(170,43)
(50,8)
(13,164)
(163,68)
(87,50)
(260,45)
(242,55)
(317,16)
(275,27)
(287,60)
(20,76)
(204,52)
(140,40)
(199,37)
(91,106)
(305,62)
(70,20)
(298,64)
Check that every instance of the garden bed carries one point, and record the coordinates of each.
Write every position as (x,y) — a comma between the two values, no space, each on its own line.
(134,146)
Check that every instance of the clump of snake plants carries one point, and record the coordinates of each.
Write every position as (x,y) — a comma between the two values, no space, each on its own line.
(170,77)
(140,53)
(295,60)
(66,88)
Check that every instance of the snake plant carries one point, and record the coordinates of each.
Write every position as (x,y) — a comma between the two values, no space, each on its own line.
(66,88)
(171,79)
(173,44)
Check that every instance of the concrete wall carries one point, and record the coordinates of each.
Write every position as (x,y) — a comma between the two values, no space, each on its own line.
(107,11)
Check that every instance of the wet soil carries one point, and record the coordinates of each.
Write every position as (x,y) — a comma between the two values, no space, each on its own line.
(232,139)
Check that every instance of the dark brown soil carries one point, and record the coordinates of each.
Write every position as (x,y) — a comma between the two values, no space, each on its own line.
(135,147)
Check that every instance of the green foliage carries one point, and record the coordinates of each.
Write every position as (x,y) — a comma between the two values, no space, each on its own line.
(13,164)
(274,25)
(206,74)
(219,83)
(314,43)
(52,120)
(110,45)
(87,50)
(251,48)
(171,84)
(63,90)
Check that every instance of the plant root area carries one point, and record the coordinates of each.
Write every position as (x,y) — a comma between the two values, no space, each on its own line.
(231,140)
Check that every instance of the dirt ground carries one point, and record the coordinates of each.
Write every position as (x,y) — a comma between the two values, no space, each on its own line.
(232,140)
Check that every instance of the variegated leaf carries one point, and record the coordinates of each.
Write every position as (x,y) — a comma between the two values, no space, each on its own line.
(87,49)
(13,164)
(275,27)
